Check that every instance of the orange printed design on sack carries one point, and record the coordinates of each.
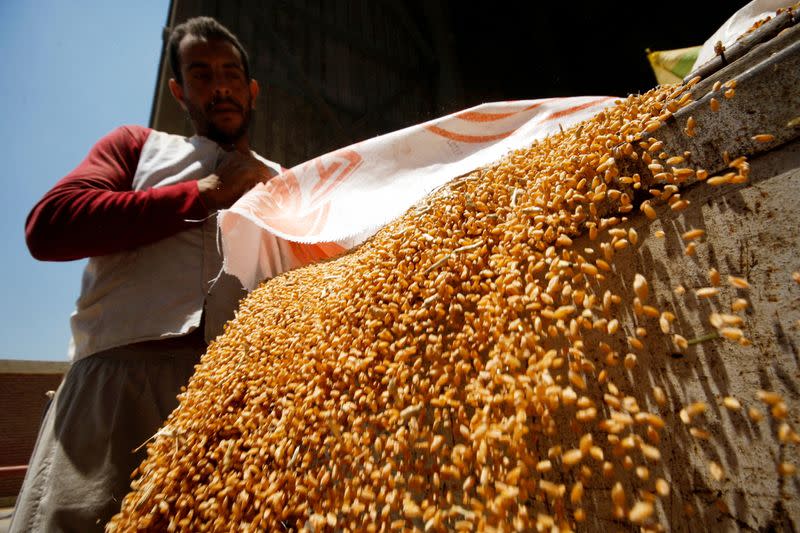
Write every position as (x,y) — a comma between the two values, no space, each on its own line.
(289,208)
(311,253)
(574,109)
(460,137)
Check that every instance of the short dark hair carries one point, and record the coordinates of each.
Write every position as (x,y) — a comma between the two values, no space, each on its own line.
(205,28)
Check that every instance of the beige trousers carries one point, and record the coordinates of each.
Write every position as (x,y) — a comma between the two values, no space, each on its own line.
(105,408)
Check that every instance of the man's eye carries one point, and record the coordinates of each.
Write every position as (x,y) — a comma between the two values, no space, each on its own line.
(202,76)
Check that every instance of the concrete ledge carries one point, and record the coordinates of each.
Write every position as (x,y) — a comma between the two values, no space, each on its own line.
(14,366)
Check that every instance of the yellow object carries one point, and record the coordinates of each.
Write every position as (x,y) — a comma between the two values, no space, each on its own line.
(671,66)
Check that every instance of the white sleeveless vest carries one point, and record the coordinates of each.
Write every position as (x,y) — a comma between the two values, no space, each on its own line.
(161,290)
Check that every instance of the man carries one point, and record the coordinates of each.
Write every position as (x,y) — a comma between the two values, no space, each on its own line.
(142,207)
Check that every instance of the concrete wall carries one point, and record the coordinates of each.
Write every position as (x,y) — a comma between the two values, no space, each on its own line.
(752,232)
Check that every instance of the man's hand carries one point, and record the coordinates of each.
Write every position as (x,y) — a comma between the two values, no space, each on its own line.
(236,174)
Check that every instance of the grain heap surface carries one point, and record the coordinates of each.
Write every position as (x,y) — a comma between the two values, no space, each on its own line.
(461,370)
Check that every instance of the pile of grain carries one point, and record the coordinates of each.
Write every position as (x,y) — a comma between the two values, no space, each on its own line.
(462,370)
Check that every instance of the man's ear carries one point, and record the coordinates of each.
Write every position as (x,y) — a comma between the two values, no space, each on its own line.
(254,90)
(177,92)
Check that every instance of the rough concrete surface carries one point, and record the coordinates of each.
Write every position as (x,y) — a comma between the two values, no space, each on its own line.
(752,232)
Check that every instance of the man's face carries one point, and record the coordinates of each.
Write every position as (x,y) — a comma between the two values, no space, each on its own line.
(215,90)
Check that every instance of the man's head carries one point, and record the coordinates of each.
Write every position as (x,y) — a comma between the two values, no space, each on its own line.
(211,80)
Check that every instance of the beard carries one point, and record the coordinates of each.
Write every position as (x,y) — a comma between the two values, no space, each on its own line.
(202,117)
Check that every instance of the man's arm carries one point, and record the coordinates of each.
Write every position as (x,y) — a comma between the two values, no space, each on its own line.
(93,211)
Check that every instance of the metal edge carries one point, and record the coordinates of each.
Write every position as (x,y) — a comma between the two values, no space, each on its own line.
(762,34)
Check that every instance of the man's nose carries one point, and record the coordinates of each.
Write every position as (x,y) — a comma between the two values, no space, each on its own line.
(221,86)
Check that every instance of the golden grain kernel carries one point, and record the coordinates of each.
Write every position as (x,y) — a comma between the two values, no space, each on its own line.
(696,408)
(731,403)
(716,470)
(763,138)
(586,415)
(692,82)
(576,494)
(769,397)
(648,210)
(596,453)
(744,341)
(640,286)
(754,414)
(706,292)
(411,510)
(662,487)
(779,410)
(739,283)
(563,240)
(635,343)
(699,433)
(659,396)
(572,457)
(728,319)
(731,333)
(602,265)
(785,433)
(693,234)
(640,512)
(554,490)
(680,342)
(618,494)
(679,205)
(650,452)
(589,269)
(729,93)
(740,304)
(714,103)
(718,180)
(787,469)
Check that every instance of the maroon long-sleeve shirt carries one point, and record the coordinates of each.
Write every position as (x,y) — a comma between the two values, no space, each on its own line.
(94,211)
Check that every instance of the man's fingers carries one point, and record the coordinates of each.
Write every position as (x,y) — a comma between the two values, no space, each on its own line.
(239,173)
